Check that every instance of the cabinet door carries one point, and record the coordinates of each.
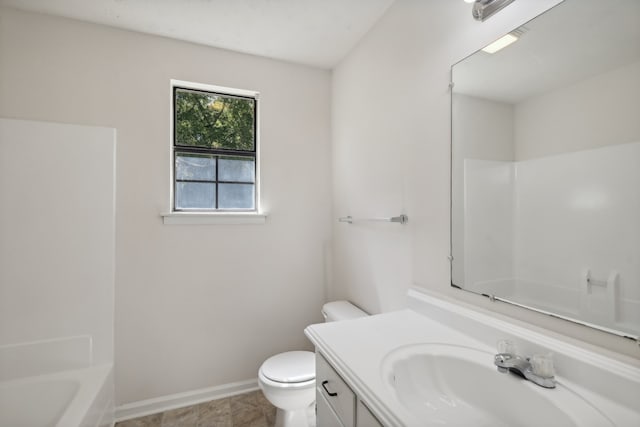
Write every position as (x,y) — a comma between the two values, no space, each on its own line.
(325,417)
(364,417)
(336,392)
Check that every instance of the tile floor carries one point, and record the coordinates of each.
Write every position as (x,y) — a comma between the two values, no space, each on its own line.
(244,410)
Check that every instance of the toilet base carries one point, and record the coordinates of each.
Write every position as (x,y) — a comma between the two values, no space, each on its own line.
(305,417)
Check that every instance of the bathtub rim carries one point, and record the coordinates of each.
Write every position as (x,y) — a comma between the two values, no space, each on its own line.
(92,382)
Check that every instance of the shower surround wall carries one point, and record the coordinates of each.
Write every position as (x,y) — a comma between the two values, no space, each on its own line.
(57,270)
(577,212)
(57,240)
(560,216)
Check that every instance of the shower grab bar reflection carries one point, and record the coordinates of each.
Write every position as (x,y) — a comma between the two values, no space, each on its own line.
(401,219)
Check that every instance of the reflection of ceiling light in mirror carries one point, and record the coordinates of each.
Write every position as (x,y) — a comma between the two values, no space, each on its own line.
(501,43)
(469,1)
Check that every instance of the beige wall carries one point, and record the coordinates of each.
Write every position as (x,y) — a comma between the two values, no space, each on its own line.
(599,111)
(391,152)
(196,305)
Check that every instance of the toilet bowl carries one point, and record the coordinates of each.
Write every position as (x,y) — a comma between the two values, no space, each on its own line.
(288,379)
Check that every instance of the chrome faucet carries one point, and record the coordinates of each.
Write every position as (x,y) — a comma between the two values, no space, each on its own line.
(538,369)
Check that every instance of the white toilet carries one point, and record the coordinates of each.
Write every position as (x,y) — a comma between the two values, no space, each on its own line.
(288,379)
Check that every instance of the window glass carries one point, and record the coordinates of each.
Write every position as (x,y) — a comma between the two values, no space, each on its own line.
(195,195)
(236,196)
(205,119)
(195,167)
(236,169)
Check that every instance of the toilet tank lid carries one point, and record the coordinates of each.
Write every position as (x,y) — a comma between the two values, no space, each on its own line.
(290,367)
(341,310)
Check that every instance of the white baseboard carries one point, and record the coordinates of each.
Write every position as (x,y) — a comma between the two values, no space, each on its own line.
(179,400)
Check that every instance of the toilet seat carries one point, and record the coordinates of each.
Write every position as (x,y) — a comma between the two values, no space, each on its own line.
(292,367)
(290,386)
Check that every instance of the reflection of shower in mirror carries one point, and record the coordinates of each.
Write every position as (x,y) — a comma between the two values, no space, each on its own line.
(546,167)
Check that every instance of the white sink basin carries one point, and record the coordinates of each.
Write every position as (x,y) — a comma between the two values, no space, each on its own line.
(449,385)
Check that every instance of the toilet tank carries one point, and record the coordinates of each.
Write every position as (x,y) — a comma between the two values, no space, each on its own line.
(341,310)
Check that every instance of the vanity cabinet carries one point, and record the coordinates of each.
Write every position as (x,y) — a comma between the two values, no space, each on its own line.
(325,416)
(364,417)
(337,404)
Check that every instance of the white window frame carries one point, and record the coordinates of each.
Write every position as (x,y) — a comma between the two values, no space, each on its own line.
(172,216)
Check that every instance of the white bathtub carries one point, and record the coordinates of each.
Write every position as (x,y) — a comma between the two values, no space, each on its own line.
(77,398)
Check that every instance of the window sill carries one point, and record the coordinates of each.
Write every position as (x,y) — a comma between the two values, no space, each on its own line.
(204,218)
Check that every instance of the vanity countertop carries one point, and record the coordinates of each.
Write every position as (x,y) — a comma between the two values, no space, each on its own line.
(357,349)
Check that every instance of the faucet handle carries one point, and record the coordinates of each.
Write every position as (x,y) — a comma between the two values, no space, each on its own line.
(542,365)
(506,346)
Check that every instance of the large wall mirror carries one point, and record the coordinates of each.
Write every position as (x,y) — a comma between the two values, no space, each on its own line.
(546,166)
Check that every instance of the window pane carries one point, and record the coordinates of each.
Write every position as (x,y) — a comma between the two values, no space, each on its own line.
(236,169)
(206,119)
(236,196)
(195,195)
(195,167)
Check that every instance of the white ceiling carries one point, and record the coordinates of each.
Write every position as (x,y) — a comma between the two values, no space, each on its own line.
(312,32)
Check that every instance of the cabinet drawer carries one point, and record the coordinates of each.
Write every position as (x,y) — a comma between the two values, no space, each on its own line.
(337,393)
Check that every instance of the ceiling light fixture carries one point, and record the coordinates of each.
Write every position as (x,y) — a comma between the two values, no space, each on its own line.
(501,43)
(483,9)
